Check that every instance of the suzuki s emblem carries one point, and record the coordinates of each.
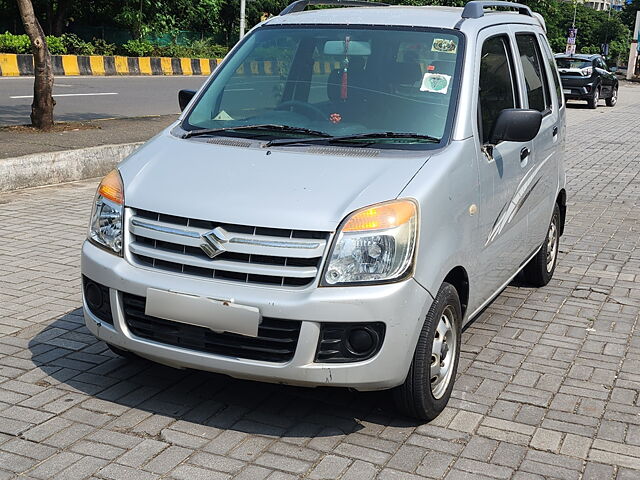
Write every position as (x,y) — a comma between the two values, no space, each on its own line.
(213,242)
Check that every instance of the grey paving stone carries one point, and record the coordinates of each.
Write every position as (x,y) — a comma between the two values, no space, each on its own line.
(55,464)
(82,469)
(283,463)
(167,459)
(27,449)
(253,472)
(548,440)
(99,450)
(360,470)
(482,468)
(189,472)
(142,452)
(16,463)
(508,455)
(598,471)
(480,448)
(330,466)
(216,462)
(435,465)
(119,472)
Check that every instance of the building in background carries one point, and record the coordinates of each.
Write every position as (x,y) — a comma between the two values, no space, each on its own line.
(603,5)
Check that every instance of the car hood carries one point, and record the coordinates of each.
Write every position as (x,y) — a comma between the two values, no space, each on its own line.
(282,187)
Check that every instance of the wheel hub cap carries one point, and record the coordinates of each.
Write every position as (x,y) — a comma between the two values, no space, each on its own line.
(552,245)
(443,354)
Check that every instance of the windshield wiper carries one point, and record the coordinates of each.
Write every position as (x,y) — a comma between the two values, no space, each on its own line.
(266,126)
(360,136)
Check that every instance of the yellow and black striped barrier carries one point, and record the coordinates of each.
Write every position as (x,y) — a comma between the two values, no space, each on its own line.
(14,65)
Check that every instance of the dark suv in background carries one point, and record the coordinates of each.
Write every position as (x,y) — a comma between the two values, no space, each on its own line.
(587,77)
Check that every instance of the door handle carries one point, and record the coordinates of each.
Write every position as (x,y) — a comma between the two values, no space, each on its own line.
(555,131)
(524,153)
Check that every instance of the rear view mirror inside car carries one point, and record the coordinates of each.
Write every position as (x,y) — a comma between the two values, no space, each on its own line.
(342,47)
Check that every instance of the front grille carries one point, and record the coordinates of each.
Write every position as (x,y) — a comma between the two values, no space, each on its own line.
(276,341)
(268,256)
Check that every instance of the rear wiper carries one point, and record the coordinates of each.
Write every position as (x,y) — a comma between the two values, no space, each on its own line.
(360,136)
(265,126)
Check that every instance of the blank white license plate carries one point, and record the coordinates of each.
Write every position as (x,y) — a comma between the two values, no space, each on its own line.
(217,315)
(566,90)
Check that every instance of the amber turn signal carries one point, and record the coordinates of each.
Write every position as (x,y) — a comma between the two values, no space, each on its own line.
(381,217)
(111,187)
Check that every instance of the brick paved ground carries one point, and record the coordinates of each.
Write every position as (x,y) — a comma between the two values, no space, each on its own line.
(548,387)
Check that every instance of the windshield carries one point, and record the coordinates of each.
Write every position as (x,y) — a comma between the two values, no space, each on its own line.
(576,63)
(336,82)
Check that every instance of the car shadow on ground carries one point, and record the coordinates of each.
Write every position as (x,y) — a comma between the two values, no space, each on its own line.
(71,355)
(581,105)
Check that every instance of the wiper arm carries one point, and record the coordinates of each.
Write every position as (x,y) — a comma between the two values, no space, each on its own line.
(360,136)
(265,126)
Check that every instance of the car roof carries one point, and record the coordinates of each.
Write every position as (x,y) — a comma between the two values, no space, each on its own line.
(409,16)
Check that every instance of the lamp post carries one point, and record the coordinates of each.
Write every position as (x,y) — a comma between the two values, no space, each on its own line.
(243,7)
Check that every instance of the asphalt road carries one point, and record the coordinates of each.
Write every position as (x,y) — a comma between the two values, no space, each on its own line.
(87,98)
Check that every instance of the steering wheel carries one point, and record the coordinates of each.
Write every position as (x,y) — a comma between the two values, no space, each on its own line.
(308,110)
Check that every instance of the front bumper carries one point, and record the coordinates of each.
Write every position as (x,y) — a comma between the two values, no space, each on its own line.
(576,88)
(400,306)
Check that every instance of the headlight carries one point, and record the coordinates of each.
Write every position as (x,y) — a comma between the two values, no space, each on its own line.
(105,228)
(587,71)
(375,244)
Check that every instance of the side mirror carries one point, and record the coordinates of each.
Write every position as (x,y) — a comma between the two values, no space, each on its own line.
(184,97)
(516,125)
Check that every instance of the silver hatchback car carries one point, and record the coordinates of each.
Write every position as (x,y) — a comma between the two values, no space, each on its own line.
(347,191)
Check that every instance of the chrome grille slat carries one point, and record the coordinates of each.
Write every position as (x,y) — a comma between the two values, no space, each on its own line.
(237,243)
(250,268)
(276,257)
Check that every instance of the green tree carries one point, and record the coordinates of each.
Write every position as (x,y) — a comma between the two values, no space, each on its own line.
(629,12)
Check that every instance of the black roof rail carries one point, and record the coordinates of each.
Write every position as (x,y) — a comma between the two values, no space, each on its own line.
(300,5)
(475,8)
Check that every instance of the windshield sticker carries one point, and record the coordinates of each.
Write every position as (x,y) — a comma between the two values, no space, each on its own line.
(223,116)
(435,82)
(443,45)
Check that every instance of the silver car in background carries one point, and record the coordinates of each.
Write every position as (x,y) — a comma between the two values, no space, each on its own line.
(348,190)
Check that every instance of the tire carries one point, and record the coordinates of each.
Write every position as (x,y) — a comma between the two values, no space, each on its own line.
(593,101)
(613,99)
(123,353)
(419,396)
(539,270)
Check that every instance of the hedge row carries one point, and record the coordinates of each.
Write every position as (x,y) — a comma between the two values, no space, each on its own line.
(69,43)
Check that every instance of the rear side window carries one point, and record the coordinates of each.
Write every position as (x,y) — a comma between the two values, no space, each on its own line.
(535,79)
(552,68)
(497,90)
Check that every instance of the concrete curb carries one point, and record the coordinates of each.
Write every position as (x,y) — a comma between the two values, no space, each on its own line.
(50,168)
(12,65)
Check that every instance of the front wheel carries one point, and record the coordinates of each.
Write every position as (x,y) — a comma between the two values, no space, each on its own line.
(539,270)
(427,388)
(593,101)
(613,99)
